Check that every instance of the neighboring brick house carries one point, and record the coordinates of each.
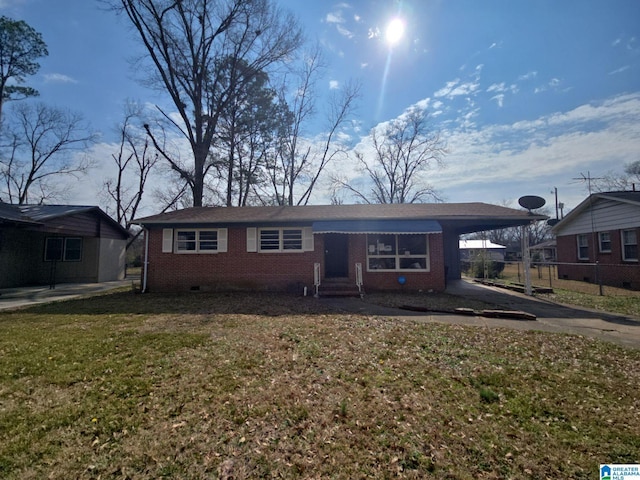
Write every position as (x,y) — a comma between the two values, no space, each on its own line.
(49,244)
(380,247)
(598,240)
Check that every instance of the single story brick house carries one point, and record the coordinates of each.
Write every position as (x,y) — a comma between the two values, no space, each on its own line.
(597,241)
(49,244)
(320,247)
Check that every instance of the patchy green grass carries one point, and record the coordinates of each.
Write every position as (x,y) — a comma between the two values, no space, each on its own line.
(231,386)
(623,305)
(572,292)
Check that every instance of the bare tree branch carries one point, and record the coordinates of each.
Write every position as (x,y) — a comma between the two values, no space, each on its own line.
(43,142)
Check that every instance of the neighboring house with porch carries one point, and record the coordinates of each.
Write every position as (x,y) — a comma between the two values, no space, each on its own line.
(471,249)
(377,247)
(49,244)
(598,240)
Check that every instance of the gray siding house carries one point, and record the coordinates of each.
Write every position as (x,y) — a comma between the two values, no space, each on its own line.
(597,242)
(49,244)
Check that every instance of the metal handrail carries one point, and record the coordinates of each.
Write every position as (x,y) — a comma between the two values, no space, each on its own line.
(316,277)
(359,277)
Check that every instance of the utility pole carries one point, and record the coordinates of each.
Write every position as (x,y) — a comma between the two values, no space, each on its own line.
(594,239)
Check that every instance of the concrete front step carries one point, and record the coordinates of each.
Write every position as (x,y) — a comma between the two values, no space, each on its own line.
(339,287)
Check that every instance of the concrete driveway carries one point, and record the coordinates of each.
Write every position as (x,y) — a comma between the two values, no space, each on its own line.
(11,298)
(550,317)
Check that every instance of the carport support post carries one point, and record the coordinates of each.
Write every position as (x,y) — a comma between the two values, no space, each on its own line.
(526,260)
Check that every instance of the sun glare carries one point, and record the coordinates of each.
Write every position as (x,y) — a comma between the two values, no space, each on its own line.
(394,32)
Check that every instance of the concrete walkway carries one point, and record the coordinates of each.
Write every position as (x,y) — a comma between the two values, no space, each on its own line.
(11,298)
(550,317)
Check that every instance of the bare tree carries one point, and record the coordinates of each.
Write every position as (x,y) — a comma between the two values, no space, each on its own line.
(512,236)
(187,40)
(300,161)
(134,160)
(402,152)
(42,145)
(20,46)
(628,180)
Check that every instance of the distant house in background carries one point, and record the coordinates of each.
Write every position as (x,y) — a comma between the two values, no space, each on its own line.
(48,244)
(544,252)
(603,230)
(470,249)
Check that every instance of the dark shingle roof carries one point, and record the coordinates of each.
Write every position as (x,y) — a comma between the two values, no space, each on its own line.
(310,213)
(40,214)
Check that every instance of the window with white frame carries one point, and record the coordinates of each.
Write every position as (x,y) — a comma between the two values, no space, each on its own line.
(63,249)
(630,245)
(196,241)
(393,252)
(280,239)
(604,239)
(583,247)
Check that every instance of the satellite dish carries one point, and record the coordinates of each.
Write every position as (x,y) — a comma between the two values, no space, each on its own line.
(531,202)
(552,221)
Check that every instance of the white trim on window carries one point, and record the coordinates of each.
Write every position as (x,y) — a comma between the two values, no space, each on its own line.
(582,244)
(199,240)
(629,240)
(398,253)
(283,239)
(604,242)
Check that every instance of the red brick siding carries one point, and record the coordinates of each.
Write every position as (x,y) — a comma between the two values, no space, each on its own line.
(239,269)
(612,270)
(374,280)
(234,269)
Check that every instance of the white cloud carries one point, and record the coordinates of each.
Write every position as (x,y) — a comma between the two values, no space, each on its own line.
(620,70)
(553,84)
(496,87)
(345,32)
(528,75)
(498,162)
(58,78)
(499,99)
(334,85)
(334,17)
(549,150)
(11,3)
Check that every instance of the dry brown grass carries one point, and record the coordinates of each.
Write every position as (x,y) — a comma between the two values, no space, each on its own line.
(540,277)
(231,386)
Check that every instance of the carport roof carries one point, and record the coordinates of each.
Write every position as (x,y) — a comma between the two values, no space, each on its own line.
(460,217)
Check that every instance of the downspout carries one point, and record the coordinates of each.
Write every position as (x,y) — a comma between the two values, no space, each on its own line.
(146,260)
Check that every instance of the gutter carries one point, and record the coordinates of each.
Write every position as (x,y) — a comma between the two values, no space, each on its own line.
(146,260)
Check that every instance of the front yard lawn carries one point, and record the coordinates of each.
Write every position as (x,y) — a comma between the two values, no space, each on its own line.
(262,386)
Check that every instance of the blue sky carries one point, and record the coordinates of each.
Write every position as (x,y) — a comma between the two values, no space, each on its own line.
(528,95)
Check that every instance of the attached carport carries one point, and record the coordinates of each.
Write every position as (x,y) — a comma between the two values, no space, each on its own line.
(483,217)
